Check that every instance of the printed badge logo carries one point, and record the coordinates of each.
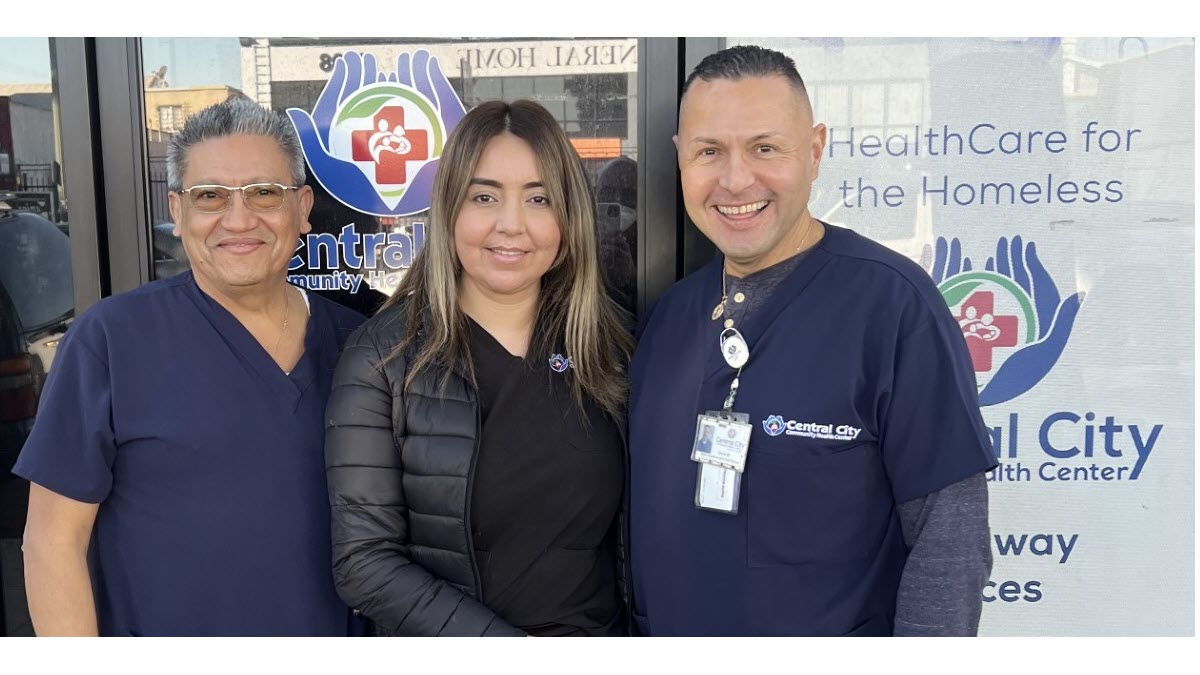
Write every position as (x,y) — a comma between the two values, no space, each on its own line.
(776,425)
(373,139)
(773,425)
(1011,314)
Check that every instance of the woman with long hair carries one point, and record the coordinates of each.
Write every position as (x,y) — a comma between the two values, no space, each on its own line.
(475,434)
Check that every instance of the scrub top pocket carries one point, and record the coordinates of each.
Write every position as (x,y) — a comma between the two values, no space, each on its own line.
(810,505)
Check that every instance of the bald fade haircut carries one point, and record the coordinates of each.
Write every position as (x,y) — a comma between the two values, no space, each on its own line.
(736,63)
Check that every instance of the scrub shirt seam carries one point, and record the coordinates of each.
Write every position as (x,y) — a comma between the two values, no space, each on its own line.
(930,310)
(81,340)
(929,324)
(926,323)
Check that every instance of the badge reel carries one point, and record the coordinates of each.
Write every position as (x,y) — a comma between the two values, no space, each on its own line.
(723,439)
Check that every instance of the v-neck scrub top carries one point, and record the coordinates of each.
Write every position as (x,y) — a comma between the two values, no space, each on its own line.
(207,461)
(547,489)
(861,395)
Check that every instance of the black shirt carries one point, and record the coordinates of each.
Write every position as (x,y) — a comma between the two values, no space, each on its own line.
(547,489)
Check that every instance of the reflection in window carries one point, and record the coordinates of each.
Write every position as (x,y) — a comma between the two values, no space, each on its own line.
(588,85)
(36,296)
(170,118)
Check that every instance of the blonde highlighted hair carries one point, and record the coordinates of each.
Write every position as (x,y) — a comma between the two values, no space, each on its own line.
(574,313)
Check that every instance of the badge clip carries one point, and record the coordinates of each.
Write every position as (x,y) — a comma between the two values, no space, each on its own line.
(734,348)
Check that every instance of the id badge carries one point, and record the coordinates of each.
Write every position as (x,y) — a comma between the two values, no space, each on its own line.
(717,488)
(723,439)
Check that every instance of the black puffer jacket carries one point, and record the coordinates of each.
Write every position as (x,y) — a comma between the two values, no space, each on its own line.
(400,468)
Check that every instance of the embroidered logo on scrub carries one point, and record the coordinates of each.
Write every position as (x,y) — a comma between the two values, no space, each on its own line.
(560,363)
(774,425)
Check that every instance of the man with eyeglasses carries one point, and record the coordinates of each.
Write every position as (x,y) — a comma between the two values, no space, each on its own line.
(177,460)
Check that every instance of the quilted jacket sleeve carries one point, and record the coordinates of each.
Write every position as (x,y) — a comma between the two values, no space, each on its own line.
(372,568)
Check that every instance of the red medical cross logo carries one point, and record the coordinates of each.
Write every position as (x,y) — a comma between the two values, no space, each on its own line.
(387,139)
(983,330)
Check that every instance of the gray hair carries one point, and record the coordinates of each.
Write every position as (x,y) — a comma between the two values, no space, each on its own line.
(234,116)
(744,61)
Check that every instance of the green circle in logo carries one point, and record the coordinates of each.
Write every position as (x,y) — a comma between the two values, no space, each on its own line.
(366,102)
(957,288)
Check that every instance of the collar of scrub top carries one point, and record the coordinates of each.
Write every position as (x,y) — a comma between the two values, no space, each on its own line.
(786,293)
(288,388)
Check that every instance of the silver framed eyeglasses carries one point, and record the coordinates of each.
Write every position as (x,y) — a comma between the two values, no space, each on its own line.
(256,196)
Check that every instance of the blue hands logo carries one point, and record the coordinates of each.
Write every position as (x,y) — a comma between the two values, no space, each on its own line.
(373,139)
(1013,319)
(773,425)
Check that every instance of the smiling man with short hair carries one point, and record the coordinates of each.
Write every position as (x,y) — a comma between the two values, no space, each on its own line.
(846,493)
(180,435)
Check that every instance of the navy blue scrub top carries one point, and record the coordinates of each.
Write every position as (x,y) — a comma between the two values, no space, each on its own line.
(207,461)
(862,395)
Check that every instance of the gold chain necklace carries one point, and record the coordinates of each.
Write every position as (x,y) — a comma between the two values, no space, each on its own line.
(287,304)
(719,310)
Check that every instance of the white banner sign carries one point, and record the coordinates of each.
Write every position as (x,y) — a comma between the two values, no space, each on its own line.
(1048,187)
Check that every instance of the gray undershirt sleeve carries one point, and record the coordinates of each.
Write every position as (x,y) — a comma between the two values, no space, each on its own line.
(949,561)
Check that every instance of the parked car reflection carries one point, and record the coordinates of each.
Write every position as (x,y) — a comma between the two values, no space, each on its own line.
(169,256)
(36,307)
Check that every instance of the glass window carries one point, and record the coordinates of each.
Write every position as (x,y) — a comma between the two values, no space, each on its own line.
(588,85)
(1047,185)
(517,87)
(36,297)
